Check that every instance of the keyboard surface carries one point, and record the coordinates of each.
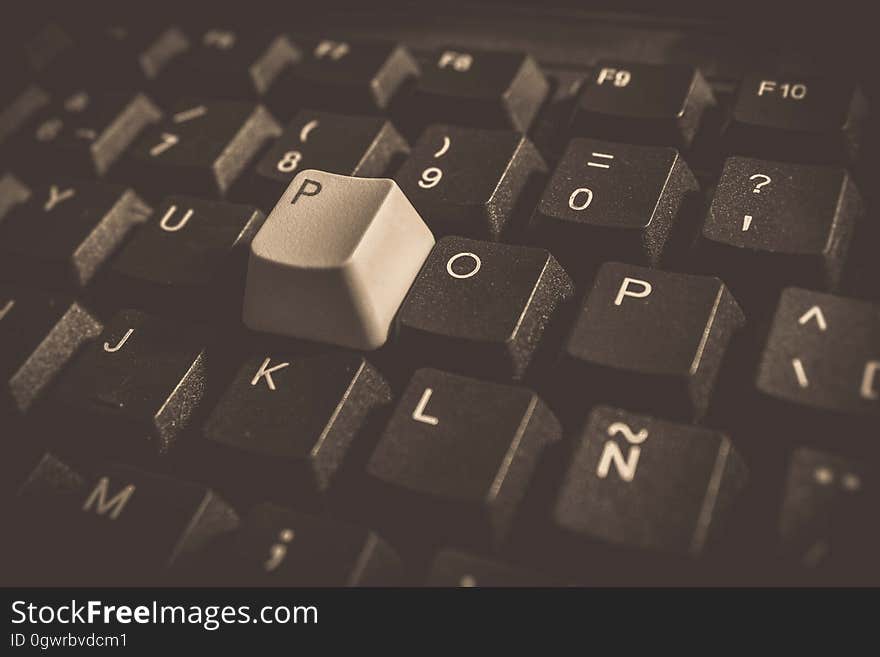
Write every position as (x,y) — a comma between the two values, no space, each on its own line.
(488,297)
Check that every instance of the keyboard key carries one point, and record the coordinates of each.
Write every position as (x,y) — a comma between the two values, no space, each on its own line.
(346,248)
(285,423)
(650,340)
(13,192)
(349,76)
(451,568)
(66,231)
(113,524)
(279,547)
(772,224)
(39,334)
(134,390)
(826,502)
(643,103)
(608,200)
(336,143)
(823,353)
(806,119)
(201,148)
(457,456)
(644,483)
(467,182)
(190,257)
(478,88)
(84,136)
(225,63)
(481,307)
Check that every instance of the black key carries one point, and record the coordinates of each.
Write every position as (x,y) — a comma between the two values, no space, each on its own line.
(822,522)
(66,231)
(481,307)
(643,103)
(451,568)
(478,88)
(608,200)
(457,456)
(225,63)
(13,192)
(772,224)
(285,424)
(550,130)
(644,483)
(650,340)
(190,257)
(823,355)
(806,119)
(201,148)
(345,76)
(84,135)
(110,524)
(279,547)
(362,146)
(467,182)
(39,334)
(134,390)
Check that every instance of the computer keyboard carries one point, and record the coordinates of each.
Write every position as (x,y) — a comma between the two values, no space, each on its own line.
(402,298)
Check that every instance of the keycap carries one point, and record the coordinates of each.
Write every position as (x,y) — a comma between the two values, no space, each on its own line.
(772,224)
(650,339)
(478,88)
(821,363)
(481,307)
(802,118)
(648,484)
(276,546)
(13,192)
(39,334)
(346,248)
(134,389)
(344,76)
(227,63)
(110,524)
(466,181)
(457,456)
(67,230)
(84,135)
(826,504)
(613,201)
(451,568)
(643,103)
(189,257)
(349,145)
(201,148)
(285,423)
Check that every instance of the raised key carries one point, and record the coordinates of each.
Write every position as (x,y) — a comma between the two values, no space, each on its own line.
(481,307)
(346,248)
(644,483)
(479,88)
(110,524)
(136,387)
(803,118)
(612,201)
(284,424)
(344,76)
(457,456)
(336,143)
(468,182)
(650,339)
(772,224)
(643,103)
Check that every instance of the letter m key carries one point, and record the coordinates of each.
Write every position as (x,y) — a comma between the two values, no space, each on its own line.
(103,506)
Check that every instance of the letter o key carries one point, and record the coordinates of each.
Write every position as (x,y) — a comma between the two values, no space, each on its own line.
(477,264)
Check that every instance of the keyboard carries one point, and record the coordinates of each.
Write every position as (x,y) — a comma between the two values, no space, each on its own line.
(490,296)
